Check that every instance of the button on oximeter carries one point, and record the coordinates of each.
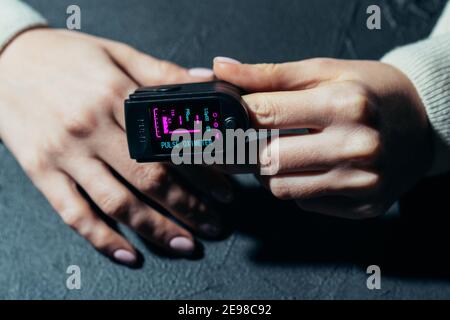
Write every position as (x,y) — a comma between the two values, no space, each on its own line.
(168,89)
(160,90)
(230,123)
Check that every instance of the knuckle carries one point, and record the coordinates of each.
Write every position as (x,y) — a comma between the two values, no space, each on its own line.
(57,146)
(80,123)
(101,237)
(74,218)
(271,71)
(149,186)
(155,226)
(162,228)
(112,92)
(116,204)
(359,109)
(373,182)
(364,146)
(354,104)
(151,178)
(280,190)
(159,173)
(109,94)
(34,164)
(118,90)
(138,220)
(268,158)
(178,200)
(368,148)
(189,204)
(361,101)
(264,111)
(269,68)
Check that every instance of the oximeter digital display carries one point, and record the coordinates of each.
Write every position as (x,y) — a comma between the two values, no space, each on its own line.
(154,114)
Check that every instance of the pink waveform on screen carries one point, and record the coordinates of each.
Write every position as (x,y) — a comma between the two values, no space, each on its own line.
(165,125)
(166,129)
(156,123)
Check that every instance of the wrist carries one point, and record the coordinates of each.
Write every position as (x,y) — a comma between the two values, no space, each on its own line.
(18,35)
(15,17)
(426,65)
(424,126)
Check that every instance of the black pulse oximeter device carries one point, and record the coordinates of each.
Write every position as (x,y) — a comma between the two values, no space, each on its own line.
(153,114)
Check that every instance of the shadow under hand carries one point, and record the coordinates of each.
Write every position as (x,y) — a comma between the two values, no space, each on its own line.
(413,244)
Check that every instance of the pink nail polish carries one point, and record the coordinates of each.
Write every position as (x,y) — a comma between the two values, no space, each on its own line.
(201,72)
(226,60)
(182,244)
(125,257)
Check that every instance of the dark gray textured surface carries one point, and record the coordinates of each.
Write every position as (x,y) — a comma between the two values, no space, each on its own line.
(275,252)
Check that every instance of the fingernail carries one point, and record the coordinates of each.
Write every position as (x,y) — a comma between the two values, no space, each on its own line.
(182,244)
(224,195)
(226,60)
(125,257)
(211,230)
(201,72)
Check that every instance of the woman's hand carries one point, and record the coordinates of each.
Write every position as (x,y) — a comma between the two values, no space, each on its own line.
(61,115)
(369,141)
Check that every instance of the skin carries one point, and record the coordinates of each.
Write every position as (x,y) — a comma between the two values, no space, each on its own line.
(62,117)
(370,136)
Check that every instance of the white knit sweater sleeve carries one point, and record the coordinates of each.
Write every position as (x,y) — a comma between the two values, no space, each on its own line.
(427,64)
(16,16)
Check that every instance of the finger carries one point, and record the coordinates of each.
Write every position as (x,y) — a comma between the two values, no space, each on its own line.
(161,184)
(341,207)
(119,203)
(341,182)
(147,70)
(276,77)
(336,148)
(315,108)
(303,153)
(76,212)
(311,109)
(209,181)
(322,151)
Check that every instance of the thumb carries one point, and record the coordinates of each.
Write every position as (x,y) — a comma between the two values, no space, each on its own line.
(147,70)
(275,77)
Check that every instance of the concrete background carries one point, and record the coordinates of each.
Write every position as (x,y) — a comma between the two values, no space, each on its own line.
(275,251)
